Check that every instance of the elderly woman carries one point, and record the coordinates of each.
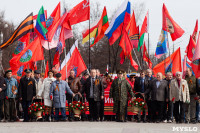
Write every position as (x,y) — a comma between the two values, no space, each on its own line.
(44,92)
(179,94)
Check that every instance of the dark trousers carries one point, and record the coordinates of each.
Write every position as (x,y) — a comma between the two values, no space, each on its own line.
(25,105)
(167,111)
(179,114)
(63,113)
(157,107)
(1,109)
(101,113)
(94,107)
(149,105)
(10,109)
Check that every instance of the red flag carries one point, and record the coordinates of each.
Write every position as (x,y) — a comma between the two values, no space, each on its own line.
(52,21)
(75,63)
(196,59)
(194,35)
(174,59)
(32,53)
(46,70)
(127,47)
(170,25)
(79,13)
(133,31)
(190,49)
(146,57)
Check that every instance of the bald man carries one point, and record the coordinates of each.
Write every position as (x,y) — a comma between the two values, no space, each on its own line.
(159,95)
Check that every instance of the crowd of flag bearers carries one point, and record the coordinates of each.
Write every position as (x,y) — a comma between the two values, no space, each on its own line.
(169,98)
(169,94)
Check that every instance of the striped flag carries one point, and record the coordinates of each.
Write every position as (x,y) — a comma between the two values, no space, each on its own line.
(25,27)
(98,30)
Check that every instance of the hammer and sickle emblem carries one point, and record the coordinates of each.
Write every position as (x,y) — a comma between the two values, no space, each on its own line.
(86,4)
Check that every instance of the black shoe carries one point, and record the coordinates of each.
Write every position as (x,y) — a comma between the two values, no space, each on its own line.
(138,121)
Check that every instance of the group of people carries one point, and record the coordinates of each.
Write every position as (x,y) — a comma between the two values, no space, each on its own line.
(168,97)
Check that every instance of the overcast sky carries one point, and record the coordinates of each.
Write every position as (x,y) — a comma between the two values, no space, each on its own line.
(184,12)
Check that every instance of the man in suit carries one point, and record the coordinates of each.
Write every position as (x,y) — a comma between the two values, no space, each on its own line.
(159,94)
(140,86)
(27,92)
(94,90)
(179,94)
(149,78)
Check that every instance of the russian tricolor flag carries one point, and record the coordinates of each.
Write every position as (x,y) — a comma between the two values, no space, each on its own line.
(119,22)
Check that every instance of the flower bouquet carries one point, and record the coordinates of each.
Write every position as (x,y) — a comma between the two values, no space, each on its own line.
(36,109)
(77,107)
(138,104)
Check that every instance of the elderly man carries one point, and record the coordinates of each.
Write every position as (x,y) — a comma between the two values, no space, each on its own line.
(119,93)
(38,84)
(179,94)
(168,108)
(149,78)
(11,92)
(57,94)
(192,84)
(159,95)
(94,90)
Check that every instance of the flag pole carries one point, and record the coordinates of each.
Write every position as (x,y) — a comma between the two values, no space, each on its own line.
(109,63)
(89,65)
(49,53)
(137,59)
(148,52)
(115,62)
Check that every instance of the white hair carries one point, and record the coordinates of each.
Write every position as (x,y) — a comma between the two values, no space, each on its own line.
(178,73)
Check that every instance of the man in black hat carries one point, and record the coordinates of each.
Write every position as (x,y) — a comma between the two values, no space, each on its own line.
(27,92)
(57,94)
(38,84)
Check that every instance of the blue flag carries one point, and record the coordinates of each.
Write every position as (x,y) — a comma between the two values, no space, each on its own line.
(162,46)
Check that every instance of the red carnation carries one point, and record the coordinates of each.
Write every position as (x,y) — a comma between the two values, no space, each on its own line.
(34,109)
(38,109)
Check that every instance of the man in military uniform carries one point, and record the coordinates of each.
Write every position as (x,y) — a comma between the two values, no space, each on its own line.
(27,92)
(192,84)
(57,94)
(119,93)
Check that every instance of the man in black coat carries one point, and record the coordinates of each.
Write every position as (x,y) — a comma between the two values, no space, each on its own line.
(2,95)
(94,90)
(149,78)
(159,95)
(140,86)
(168,108)
(27,92)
